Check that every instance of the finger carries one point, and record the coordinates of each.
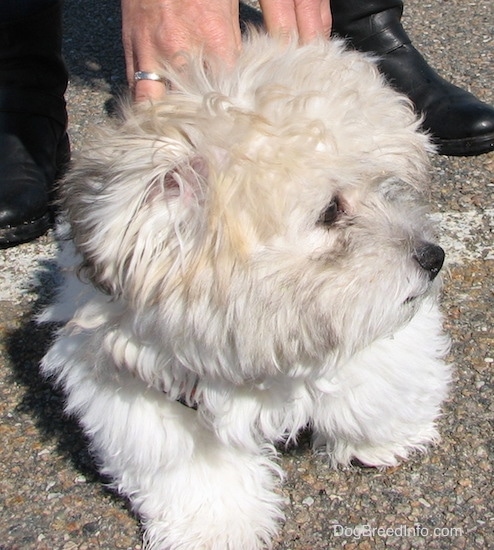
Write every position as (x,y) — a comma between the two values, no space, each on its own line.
(219,37)
(313,19)
(326,18)
(279,17)
(145,90)
(306,19)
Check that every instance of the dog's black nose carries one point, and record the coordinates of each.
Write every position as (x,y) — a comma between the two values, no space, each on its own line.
(430,257)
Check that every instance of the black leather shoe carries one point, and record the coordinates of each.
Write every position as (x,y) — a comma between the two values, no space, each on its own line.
(34,150)
(459,123)
(34,147)
(24,201)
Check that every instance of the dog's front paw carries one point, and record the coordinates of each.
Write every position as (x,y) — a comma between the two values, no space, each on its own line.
(241,522)
(216,503)
(236,532)
(375,454)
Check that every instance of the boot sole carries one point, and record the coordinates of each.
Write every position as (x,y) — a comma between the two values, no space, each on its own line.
(466,147)
(28,231)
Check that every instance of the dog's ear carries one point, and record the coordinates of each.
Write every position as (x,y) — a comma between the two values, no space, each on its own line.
(185,182)
(130,207)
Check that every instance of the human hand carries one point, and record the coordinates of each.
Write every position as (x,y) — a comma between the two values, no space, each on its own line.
(157,31)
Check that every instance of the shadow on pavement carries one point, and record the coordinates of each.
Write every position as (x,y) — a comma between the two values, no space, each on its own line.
(26,345)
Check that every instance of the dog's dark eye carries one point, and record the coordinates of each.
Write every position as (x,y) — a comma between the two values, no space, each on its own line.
(330,214)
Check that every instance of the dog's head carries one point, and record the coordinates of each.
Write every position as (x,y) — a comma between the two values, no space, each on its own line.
(268,216)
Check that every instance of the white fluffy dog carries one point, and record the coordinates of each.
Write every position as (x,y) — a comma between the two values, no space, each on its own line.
(257,259)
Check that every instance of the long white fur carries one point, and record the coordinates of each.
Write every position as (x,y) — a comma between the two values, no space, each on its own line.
(215,314)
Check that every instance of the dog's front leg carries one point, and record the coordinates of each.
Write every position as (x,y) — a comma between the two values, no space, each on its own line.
(191,490)
(383,402)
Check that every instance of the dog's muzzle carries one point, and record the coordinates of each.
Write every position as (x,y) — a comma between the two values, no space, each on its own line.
(430,257)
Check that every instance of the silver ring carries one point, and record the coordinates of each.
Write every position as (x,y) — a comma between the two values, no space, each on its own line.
(144,75)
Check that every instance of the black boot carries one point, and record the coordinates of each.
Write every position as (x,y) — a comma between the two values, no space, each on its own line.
(34,146)
(460,123)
